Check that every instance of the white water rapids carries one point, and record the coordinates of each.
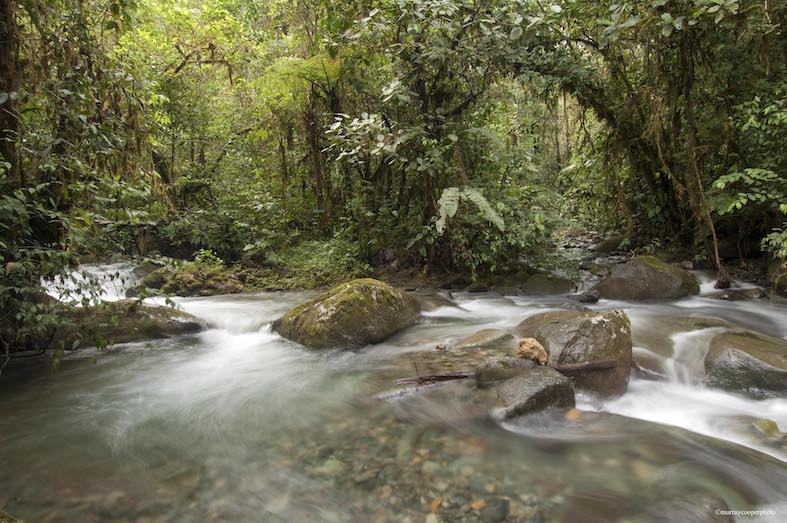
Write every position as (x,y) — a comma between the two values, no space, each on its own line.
(238,424)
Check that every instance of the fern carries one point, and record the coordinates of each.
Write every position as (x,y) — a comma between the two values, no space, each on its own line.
(448,205)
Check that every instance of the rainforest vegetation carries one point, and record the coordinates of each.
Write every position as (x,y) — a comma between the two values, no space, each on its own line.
(311,141)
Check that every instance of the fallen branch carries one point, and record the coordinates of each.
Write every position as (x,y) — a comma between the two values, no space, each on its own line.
(398,393)
(435,378)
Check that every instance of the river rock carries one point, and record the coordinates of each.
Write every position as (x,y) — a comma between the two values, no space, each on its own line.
(478,286)
(754,293)
(497,369)
(609,245)
(547,284)
(747,362)
(536,389)
(350,315)
(590,296)
(192,280)
(767,431)
(585,337)
(486,338)
(123,322)
(7,518)
(648,278)
(495,511)
(531,349)
(653,331)
(435,300)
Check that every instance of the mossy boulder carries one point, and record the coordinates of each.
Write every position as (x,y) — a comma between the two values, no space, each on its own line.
(747,362)
(122,322)
(547,284)
(609,245)
(586,337)
(533,390)
(648,278)
(350,315)
(193,279)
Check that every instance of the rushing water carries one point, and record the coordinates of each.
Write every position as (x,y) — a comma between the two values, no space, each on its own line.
(238,424)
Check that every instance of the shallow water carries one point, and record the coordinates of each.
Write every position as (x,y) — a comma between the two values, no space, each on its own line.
(238,424)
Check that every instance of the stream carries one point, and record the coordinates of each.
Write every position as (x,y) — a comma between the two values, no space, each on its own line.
(239,424)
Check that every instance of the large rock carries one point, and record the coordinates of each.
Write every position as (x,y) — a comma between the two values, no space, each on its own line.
(501,368)
(350,315)
(648,278)
(123,322)
(747,362)
(533,390)
(586,337)
(547,284)
(654,331)
(609,245)
(486,338)
(193,280)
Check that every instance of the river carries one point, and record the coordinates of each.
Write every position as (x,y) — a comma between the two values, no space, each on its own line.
(239,424)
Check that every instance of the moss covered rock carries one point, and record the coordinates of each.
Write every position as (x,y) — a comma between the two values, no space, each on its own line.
(122,322)
(747,362)
(648,278)
(193,279)
(350,315)
(586,337)
(547,284)
(609,245)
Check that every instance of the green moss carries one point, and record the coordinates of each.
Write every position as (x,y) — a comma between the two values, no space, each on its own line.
(655,263)
(352,314)
(121,322)
(7,518)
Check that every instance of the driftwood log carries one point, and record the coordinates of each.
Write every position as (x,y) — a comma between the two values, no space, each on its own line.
(434,380)
(563,368)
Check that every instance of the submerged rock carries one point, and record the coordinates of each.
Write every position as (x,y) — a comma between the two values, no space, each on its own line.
(547,284)
(494,370)
(586,337)
(695,507)
(648,278)
(435,300)
(536,389)
(767,431)
(350,315)
(754,293)
(123,322)
(486,338)
(747,362)
(654,331)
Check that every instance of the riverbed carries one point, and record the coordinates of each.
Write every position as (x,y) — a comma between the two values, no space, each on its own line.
(239,424)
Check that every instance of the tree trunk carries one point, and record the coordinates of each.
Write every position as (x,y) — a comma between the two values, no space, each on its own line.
(9,83)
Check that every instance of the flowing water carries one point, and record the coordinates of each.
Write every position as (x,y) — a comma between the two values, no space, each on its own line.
(238,424)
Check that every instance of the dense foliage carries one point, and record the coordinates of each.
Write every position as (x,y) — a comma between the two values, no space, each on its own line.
(448,134)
